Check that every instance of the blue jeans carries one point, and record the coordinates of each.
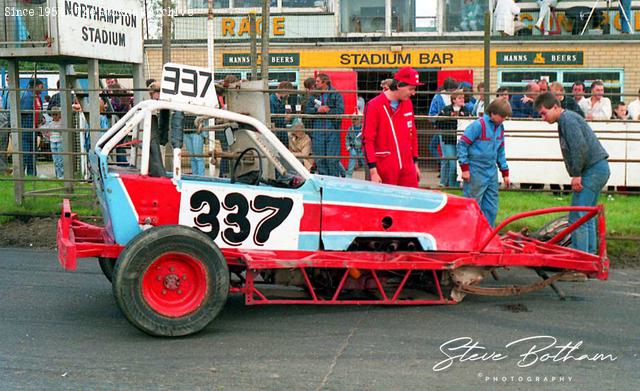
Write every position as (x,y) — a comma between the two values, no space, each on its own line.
(195,146)
(58,160)
(483,187)
(29,159)
(224,163)
(448,174)
(433,149)
(593,180)
(327,144)
(355,156)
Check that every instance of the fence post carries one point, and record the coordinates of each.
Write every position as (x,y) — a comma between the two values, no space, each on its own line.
(264,70)
(68,136)
(16,136)
(211,34)
(487,58)
(254,45)
(94,104)
(166,32)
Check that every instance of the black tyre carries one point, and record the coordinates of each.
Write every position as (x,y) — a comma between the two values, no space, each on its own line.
(551,229)
(171,281)
(107,265)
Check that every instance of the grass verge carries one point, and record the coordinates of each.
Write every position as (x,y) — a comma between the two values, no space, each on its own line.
(83,199)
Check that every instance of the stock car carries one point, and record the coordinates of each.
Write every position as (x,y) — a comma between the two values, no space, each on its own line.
(175,246)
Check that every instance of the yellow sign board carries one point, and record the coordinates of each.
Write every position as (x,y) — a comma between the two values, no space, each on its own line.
(241,28)
(417,58)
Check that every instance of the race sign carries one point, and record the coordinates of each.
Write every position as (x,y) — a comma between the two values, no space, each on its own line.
(243,218)
(188,84)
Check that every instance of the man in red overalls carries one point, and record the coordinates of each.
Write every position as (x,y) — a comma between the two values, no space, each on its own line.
(389,134)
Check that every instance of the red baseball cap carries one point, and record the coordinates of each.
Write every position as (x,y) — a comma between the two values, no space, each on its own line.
(409,76)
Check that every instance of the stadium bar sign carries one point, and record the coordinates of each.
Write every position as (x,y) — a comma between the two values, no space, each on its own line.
(102,30)
(365,59)
(540,58)
(385,58)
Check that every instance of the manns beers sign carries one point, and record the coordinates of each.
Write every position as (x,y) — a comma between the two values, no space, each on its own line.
(540,58)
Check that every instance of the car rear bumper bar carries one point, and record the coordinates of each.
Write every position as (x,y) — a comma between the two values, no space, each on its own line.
(77,239)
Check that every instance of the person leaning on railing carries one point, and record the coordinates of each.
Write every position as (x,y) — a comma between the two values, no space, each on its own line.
(278,102)
(457,108)
(31,118)
(567,102)
(326,138)
(51,131)
(522,105)
(597,106)
(620,111)
(634,108)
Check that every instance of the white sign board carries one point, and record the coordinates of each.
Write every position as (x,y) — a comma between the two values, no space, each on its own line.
(238,217)
(187,84)
(103,30)
(539,140)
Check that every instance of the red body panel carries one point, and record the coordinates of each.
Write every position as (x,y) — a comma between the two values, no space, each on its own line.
(162,205)
(154,199)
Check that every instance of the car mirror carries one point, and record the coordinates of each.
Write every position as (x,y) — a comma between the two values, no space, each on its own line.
(228,134)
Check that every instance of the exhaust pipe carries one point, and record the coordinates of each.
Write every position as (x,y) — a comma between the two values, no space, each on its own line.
(393,246)
(375,245)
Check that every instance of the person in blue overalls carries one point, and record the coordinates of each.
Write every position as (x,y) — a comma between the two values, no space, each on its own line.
(480,148)
(326,141)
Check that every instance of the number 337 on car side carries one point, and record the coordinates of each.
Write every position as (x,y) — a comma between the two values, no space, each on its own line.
(240,217)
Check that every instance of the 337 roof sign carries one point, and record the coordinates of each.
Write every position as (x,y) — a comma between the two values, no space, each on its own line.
(188,84)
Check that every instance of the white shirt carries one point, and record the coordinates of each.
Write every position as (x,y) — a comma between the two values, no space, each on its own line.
(634,109)
(504,13)
(599,110)
(53,136)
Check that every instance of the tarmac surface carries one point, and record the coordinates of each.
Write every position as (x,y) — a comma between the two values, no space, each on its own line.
(63,330)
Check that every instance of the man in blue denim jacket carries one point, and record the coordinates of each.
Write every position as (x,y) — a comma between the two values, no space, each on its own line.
(585,160)
(325,141)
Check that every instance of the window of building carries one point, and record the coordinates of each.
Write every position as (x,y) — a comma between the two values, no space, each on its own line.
(198,4)
(369,16)
(426,15)
(413,15)
(275,77)
(219,4)
(218,77)
(613,81)
(251,3)
(464,15)
(303,3)
(517,79)
(362,16)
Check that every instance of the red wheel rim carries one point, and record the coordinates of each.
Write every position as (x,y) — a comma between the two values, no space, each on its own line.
(175,284)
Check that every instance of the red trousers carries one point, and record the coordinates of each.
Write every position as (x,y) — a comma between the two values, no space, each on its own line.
(391,174)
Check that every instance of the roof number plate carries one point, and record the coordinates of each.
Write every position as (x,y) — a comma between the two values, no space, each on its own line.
(188,84)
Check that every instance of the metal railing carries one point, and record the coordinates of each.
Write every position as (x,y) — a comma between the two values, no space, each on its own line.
(426,130)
